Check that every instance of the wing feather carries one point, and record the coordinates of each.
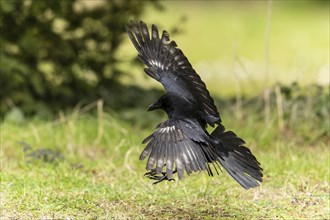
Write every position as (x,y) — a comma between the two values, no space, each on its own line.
(161,154)
(172,145)
(153,155)
(169,162)
(194,162)
(178,161)
(180,144)
(167,64)
(147,150)
(185,156)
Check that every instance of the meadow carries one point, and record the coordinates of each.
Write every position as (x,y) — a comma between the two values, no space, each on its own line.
(83,164)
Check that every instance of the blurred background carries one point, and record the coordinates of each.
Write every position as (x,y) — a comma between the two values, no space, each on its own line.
(73,100)
(58,55)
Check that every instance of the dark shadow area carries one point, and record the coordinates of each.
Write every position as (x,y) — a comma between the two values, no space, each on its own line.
(59,54)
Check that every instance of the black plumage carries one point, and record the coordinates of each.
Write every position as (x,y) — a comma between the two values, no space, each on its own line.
(181,143)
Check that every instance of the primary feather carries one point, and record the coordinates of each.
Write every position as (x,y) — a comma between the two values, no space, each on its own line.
(170,146)
(167,64)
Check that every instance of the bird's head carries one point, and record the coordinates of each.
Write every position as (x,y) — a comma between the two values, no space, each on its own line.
(154,106)
(172,104)
(166,102)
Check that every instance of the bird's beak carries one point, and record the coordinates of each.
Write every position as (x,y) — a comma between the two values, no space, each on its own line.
(153,106)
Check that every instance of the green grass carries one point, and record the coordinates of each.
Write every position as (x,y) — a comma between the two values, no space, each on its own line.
(101,176)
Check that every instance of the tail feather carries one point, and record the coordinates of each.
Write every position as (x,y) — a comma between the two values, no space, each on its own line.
(236,159)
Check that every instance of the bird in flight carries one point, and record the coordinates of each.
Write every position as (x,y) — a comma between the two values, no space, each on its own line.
(182,144)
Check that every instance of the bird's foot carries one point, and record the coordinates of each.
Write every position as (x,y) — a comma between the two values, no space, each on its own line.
(153,175)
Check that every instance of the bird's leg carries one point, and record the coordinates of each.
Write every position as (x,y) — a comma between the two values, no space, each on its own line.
(162,178)
(153,175)
(152,172)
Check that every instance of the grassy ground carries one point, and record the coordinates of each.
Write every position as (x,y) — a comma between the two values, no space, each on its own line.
(99,174)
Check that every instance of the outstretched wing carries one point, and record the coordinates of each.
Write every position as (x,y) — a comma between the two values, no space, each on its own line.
(177,144)
(168,65)
(238,160)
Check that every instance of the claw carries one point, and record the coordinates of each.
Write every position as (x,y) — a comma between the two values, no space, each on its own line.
(162,178)
(153,175)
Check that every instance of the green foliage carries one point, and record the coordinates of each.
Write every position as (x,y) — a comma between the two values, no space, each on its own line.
(56,54)
(306,104)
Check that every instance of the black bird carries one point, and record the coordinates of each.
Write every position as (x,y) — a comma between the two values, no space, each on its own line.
(182,143)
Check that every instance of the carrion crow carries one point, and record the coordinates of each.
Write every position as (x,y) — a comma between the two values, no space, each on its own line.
(182,144)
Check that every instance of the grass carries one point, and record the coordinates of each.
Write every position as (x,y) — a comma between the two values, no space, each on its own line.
(101,176)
